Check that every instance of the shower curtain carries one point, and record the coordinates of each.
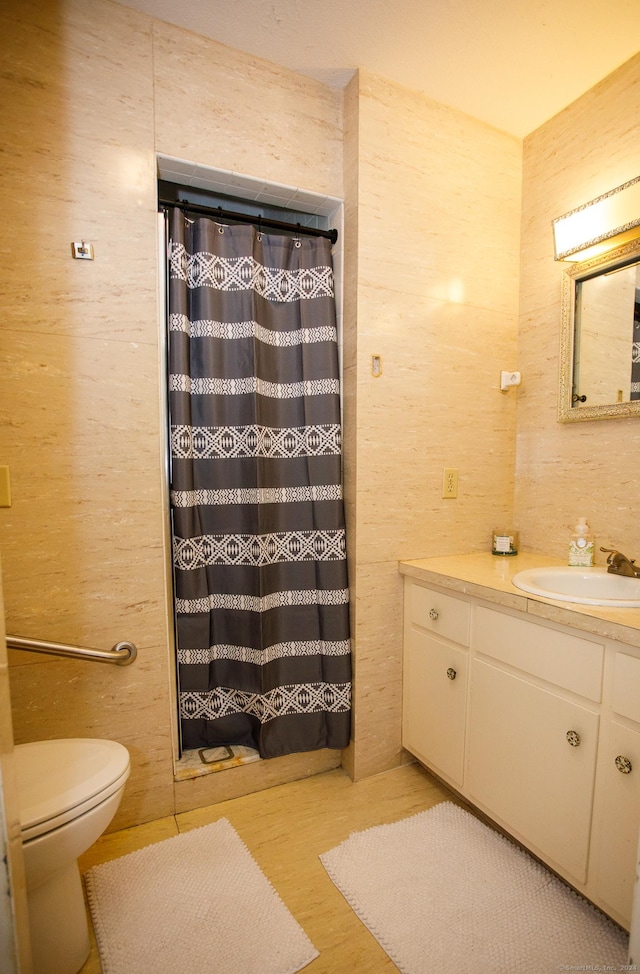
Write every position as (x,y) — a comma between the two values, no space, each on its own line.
(259,550)
(635,353)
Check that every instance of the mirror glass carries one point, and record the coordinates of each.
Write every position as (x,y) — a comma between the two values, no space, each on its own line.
(600,346)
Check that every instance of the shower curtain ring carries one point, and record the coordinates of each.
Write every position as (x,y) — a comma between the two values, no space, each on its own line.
(296,239)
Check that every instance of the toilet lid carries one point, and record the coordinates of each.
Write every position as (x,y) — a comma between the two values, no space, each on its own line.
(56,777)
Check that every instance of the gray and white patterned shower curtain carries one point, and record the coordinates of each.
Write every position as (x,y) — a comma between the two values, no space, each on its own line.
(256,501)
(635,351)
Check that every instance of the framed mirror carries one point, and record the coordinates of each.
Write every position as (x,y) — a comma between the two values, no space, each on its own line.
(600,337)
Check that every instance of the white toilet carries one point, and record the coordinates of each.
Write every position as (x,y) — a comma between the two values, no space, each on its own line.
(69,791)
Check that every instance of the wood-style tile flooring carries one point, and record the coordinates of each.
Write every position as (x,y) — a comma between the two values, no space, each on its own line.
(286,828)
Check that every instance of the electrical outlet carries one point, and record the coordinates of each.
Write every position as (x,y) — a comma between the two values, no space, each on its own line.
(450,482)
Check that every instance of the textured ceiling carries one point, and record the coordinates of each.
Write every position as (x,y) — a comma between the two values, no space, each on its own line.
(512,63)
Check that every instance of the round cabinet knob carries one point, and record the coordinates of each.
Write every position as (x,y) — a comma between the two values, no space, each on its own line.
(623,764)
(574,738)
(433,614)
(451,673)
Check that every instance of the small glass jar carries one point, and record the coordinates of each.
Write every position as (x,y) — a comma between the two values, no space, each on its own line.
(505,541)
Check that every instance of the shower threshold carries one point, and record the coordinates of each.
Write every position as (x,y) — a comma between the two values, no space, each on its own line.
(208,760)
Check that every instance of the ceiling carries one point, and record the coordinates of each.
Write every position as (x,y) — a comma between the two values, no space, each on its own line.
(511,63)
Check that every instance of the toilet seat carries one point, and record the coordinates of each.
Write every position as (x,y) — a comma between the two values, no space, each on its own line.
(62,779)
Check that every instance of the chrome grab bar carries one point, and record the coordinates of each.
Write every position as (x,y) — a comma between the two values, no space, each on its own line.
(122,653)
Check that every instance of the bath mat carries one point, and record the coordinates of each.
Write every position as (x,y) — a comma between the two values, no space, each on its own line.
(197,903)
(440,891)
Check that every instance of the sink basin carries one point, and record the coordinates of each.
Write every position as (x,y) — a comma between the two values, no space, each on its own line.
(587,586)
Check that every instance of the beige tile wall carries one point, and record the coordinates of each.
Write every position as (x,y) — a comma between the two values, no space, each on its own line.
(226,109)
(438,203)
(590,469)
(91,92)
(82,544)
(15,951)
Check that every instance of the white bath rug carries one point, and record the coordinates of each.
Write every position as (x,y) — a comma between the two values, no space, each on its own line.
(197,903)
(442,892)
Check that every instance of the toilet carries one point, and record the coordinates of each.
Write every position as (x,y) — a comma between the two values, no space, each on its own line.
(68,792)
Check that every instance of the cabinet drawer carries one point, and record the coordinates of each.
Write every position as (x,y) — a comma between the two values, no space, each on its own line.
(626,686)
(565,660)
(441,614)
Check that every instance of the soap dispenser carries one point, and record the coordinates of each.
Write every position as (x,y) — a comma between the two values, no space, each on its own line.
(581,545)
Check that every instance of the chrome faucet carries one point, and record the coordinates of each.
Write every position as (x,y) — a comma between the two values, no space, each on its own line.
(619,564)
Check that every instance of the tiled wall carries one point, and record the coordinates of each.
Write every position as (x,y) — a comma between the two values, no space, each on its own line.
(436,280)
(590,469)
(91,93)
(15,953)
(82,545)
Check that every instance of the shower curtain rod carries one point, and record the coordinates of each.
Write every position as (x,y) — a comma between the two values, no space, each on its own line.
(258,221)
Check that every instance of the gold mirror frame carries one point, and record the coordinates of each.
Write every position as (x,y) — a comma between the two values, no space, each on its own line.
(567,413)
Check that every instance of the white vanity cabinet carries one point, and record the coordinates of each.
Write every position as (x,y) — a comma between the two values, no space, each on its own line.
(435,679)
(532,730)
(532,739)
(617,804)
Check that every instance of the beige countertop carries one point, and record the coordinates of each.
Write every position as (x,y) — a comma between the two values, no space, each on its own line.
(489,577)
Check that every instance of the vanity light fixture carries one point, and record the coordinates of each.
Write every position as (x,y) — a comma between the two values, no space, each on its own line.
(596,227)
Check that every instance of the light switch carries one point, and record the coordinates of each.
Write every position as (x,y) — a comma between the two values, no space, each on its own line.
(5,487)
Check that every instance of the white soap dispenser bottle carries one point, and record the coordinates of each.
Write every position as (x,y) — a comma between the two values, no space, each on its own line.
(581,545)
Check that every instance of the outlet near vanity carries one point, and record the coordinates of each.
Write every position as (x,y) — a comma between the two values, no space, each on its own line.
(529,709)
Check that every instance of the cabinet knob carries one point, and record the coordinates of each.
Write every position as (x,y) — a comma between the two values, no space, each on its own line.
(574,738)
(623,764)
(433,614)
(451,673)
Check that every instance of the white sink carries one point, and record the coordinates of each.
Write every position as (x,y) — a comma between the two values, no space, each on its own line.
(587,586)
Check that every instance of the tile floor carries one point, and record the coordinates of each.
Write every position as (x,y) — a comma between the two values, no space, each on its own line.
(286,828)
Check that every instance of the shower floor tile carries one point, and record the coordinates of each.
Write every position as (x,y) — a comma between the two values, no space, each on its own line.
(207,760)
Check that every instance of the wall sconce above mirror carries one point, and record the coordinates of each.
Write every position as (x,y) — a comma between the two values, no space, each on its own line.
(597,227)
(600,337)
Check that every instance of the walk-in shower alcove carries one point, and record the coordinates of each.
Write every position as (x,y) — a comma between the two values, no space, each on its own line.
(256,539)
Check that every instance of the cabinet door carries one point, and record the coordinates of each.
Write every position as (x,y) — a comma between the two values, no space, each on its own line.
(433,706)
(619,822)
(523,770)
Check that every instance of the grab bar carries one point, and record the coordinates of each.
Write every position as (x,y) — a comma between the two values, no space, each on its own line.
(122,653)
